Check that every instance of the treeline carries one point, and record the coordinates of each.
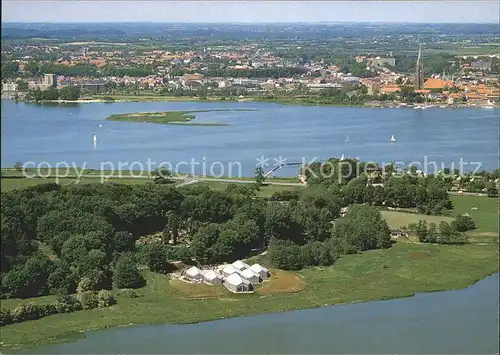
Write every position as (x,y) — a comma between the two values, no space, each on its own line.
(443,233)
(248,73)
(71,92)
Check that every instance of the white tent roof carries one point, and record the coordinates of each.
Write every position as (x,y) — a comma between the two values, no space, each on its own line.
(229,269)
(238,264)
(193,271)
(258,268)
(236,280)
(211,275)
(248,273)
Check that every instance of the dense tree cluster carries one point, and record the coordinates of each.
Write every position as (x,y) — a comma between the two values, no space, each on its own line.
(442,233)
(70,92)
(356,182)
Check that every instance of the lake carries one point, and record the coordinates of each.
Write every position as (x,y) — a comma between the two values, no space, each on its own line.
(63,133)
(451,322)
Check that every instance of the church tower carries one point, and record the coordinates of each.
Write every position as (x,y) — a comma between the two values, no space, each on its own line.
(419,74)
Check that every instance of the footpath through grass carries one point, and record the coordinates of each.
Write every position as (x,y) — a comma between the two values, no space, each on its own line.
(399,271)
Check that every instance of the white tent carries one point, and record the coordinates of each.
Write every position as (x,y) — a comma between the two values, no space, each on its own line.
(229,270)
(251,276)
(260,270)
(240,265)
(235,283)
(212,277)
(194,274)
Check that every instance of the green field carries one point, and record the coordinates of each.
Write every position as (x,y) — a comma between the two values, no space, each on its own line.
(381,274)
(396,220)
(483,210)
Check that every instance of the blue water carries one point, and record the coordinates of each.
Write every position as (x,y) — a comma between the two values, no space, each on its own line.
(451,322)
(63,133)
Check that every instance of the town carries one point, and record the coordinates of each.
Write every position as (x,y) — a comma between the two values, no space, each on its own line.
(389,73)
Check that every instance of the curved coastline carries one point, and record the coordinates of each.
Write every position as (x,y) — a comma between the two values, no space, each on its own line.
(72,336)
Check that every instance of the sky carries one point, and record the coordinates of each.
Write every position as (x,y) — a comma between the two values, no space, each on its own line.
(474,11)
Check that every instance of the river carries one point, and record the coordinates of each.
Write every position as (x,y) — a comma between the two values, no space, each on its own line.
(63,133)
(451,322)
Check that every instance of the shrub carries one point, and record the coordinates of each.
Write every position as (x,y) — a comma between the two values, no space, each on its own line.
(105,299)
(47,310)
(32,311)
(463,223)
(126,274)
(18,314)
(5,317)
(88,299)
(66,304)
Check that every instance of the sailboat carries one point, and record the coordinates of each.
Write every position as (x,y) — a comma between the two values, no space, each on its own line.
(393,139)
(347,140)
(342,157)
(94,139)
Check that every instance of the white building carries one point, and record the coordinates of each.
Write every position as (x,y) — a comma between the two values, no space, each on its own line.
(212,278)
(194,274)
(235,283)
(251,276)
(260,270)
(240,265)
(229,270)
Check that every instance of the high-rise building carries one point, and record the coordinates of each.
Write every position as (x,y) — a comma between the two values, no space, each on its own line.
(49,80)
(419,74)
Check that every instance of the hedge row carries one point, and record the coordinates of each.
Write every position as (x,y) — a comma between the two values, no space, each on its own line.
(65,304)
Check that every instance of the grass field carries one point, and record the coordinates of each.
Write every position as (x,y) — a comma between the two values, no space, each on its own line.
(483,210)
(396,272)
(396,220)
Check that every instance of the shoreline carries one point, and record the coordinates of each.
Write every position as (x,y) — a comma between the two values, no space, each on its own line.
(73,336)
(279,101)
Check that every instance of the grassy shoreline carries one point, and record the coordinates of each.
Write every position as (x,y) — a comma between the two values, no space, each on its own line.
(401,271)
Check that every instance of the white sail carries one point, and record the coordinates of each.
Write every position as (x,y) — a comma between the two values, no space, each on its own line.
(348,139)
(94,139)
(342,157)
(393,139)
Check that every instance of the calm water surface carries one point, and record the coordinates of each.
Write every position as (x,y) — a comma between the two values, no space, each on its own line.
(451,322)
(56,133)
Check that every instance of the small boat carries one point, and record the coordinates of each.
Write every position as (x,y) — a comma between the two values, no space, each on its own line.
(342,157)
(347,140)
(393,139)
(488,107)
(100,125)
(94,139)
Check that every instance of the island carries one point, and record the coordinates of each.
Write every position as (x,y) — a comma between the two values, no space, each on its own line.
(170,117)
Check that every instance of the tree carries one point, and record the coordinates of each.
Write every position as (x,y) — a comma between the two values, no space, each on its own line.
(463,223)
(449,235)
(62,280)
(126,274)
(155,256)
(162,176)
(363,228)
(50,94)
(285,255)
(71,92)
(259,176)
(19,166)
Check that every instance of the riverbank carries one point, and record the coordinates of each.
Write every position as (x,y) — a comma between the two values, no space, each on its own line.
(401,271)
